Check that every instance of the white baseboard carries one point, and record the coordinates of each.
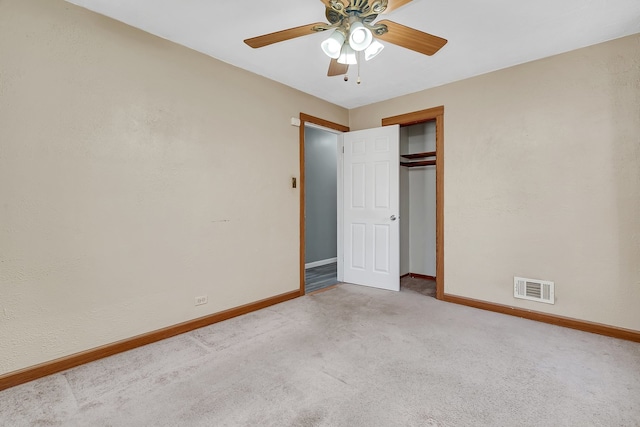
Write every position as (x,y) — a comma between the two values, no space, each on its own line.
(321,262)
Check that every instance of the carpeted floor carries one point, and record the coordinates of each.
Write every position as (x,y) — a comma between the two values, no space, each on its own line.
(349,356)
(422,286)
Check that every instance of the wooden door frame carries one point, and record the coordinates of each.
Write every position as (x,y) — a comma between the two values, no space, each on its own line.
(305,118)
(437,114)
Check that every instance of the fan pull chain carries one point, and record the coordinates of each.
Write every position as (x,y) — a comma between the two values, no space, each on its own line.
(346,75)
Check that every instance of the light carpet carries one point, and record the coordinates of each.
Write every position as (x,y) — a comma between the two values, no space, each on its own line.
(349,356)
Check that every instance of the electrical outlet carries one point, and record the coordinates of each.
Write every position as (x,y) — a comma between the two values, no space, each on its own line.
(202,300)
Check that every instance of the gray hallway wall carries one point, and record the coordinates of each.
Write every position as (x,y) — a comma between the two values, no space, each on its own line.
(320,194)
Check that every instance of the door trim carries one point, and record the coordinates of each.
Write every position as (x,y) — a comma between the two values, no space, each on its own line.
(305,118)
(422,116)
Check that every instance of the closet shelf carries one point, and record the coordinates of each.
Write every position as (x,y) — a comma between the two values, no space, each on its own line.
(422,163)
(419,155)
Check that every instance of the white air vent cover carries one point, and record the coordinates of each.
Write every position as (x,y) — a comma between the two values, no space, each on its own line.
(534,290)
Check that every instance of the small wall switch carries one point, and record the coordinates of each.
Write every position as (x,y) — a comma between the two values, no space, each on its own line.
(294,182)
(295,121)
(202,300)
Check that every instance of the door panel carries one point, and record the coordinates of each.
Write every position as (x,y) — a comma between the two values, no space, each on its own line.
(358,175)
(382,255)
(371,205)
(358,250)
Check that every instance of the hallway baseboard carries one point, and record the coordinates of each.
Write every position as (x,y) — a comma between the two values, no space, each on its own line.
(320,277)
(320,263)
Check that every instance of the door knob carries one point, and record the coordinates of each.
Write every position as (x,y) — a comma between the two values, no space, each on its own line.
(393,218)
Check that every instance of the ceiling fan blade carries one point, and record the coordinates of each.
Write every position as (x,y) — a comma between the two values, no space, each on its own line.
(394,4)
(337,69)
(411,38)
(280,36)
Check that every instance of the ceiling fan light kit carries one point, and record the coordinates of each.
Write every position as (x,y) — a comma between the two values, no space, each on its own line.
(347,55)
(360,37)
(333,45)
(373,50)
(355,31)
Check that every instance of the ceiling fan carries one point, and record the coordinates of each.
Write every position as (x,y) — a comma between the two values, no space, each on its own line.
(356,33)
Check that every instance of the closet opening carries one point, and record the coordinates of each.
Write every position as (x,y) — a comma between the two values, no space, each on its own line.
(422,204)
(418,207)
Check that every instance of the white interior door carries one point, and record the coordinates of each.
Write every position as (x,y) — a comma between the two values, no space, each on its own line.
(371,208)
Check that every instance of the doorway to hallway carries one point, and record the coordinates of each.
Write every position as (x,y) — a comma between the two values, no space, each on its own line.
(320,168)
(320,210)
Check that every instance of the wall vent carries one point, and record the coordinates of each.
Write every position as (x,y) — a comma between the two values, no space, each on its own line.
(534,290)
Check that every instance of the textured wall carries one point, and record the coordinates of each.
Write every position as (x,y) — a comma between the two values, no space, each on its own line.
(542,180)
(135,174)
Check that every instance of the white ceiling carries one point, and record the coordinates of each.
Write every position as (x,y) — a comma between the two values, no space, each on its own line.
(483,36)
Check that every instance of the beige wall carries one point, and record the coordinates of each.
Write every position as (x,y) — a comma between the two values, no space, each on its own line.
(135,175)
(542,180)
